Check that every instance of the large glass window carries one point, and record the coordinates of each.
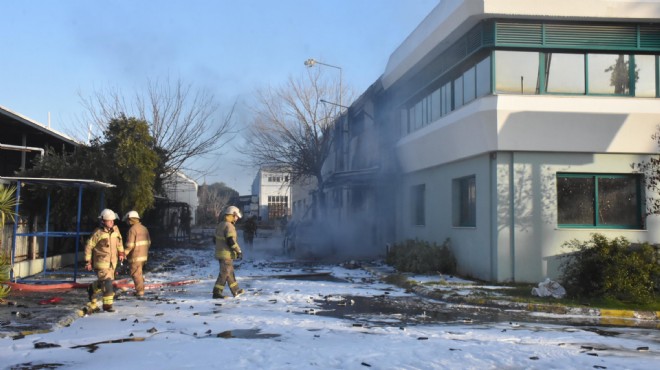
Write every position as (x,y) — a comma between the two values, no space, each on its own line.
(608,201)
(483,77)
(469,85)
(418,201)
(517,72)
(446,98)
(645,69)
(608,74)
(564,73)
(464,201)
(458,92)
(436,110)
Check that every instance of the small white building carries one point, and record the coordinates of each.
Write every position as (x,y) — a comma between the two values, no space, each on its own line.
(181,188)
(274,192)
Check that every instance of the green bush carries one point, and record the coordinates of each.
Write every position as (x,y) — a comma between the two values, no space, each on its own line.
(611,269)
(5,264)
(421,257)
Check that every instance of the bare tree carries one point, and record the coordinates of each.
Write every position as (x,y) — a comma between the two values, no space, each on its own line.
(213,199)
(291,128)
(184,123)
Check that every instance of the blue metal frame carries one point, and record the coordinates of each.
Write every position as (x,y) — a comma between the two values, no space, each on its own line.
(49,234)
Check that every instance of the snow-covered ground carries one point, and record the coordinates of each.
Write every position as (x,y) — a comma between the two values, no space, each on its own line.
(279,324)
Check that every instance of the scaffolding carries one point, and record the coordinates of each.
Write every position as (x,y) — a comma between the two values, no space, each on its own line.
(81,184)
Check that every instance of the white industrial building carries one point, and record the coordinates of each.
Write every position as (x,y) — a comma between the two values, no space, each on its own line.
(273,190)
(519,122)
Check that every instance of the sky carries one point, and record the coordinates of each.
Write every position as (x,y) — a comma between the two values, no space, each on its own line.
(57,52)
(283,324)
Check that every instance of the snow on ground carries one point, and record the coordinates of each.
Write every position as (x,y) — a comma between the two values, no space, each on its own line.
(277,325)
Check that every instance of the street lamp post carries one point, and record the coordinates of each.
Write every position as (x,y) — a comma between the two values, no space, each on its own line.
(311,62)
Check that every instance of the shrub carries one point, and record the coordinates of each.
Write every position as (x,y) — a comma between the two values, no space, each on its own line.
(610,269)
(421,257)
(5,264)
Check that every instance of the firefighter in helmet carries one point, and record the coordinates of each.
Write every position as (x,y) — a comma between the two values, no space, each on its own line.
(136,249)
(226,250)
(102,251)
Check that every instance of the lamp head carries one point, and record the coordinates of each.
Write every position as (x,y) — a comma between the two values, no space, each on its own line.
(310,62)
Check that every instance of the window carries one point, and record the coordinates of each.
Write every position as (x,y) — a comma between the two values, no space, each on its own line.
(608,74)
(436,110)
(465,201)
(277,206)
(483,77)
(645,81)
(458,92)
(446,98)
(564,73)
(523,79)
(469,85)
(607,201)
(418,211)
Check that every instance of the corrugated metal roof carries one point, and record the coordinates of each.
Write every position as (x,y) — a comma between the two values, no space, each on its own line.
(58,182)
(34,124)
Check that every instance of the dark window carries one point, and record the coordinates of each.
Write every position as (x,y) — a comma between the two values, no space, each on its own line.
(608,201)
(418,211)
(465,201)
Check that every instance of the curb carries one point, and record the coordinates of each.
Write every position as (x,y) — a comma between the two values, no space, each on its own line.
(607,316)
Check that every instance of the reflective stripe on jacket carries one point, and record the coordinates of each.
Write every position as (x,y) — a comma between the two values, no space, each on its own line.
(138,242)
(103,246)
(224,231)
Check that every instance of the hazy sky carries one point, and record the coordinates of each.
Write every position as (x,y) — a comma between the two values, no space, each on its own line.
(53,52)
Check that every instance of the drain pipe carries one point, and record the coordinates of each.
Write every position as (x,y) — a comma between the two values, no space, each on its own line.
(22,148)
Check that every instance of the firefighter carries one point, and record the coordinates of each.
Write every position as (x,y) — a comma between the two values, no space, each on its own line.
(102,251)
(136,249)
(226,250)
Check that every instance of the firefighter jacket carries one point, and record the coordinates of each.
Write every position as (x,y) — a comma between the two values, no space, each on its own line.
(104,245)
(223,232)
(137,243)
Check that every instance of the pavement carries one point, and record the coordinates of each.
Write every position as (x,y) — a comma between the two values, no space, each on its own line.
(29,312)
(479,298)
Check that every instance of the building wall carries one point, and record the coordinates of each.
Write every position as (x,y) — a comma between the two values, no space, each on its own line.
(534,123)
(532,249)
(271,183)
(513,188)
(471,245)
(451,18)
(181,188)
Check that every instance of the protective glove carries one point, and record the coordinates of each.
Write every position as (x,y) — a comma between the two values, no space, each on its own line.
(239,255)
(122,256)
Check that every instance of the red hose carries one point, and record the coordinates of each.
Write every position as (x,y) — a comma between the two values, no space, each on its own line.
(123,283)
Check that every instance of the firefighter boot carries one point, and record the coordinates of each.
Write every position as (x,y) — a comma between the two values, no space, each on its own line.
(217,294)
(90,291)
(239,293)
(108,308)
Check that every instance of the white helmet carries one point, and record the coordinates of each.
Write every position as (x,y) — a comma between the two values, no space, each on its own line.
(231,210)
(108,214)
(131,214)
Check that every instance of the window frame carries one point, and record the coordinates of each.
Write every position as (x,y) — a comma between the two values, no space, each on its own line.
(596,211)
(418,204)
(464,206)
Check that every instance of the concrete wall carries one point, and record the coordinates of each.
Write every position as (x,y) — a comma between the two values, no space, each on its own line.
(530,251)
(533,123)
